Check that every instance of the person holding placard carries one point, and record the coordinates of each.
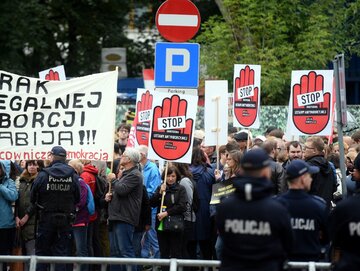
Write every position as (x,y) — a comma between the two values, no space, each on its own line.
(172,210)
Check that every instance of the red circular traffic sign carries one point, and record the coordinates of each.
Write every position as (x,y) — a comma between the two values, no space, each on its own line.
(178,20)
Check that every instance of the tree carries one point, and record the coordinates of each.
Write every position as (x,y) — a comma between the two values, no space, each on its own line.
(281,36)
(46,33)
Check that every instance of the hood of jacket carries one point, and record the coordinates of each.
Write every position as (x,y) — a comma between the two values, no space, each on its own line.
(250,188)
(320,162)
(5,167)
(91,169)
(59,169)
(199,170)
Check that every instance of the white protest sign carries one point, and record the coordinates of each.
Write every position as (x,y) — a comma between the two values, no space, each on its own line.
(246,107)
(56,74)
(172,128)
(141,124)
(78,114)
(310,105)
(216,112)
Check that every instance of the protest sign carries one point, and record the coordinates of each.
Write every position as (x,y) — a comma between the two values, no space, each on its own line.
(247,95)
(221,190)
(78,114)
(56,74)
(172,129)
(143,116)
(216,112)
(310,105)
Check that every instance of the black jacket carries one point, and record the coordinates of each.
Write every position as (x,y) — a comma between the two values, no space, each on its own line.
(324,182)
(125,205)
(254,227)
(344,228)
(309,222)
(175,200)
(56,189)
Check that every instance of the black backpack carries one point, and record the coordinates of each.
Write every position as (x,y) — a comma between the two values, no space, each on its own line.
(196,200)
(99,190)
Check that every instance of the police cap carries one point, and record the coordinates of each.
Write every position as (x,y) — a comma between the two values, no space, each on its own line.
(255,159)
(58,151)
(298,168)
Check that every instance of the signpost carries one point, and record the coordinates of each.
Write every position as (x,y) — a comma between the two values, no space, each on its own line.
(177,65)
(178,20)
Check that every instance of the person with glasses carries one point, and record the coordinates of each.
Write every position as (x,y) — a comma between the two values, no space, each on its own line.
(324,182)
(123,135)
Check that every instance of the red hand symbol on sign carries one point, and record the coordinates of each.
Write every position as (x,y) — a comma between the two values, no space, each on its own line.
(143,127)
(52,76)
(171,144)
(311,119)
(245,109)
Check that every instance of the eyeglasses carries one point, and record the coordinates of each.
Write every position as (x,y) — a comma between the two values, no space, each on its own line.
(123,131)
(310,148)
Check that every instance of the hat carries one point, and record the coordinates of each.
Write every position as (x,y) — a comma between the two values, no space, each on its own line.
(58,151)
(199,134)
(260,137)
(255,159)
(241,136)
(298,168)
(357,162)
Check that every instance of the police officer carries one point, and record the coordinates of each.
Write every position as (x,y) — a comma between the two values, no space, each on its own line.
(55,192)
(344,228)
(254,227)
(308,213)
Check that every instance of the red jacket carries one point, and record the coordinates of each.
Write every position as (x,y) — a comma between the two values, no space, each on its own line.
(88,175)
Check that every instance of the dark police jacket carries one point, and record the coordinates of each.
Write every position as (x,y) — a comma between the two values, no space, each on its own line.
(56,189)
(344,228)
(254,227)
(308,218)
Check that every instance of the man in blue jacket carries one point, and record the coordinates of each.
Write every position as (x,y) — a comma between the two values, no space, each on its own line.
(308,213)
(55,192)
(254,227)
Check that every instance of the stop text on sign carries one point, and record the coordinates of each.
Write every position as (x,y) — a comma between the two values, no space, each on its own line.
(245,92)
(144,115)
(310,98)
(177,122)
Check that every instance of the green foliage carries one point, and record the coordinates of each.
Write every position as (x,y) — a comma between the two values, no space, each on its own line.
(281,36)
(35,35)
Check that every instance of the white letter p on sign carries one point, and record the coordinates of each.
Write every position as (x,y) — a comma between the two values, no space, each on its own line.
(170,68)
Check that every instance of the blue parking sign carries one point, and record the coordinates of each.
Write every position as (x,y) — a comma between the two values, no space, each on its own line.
(177,65)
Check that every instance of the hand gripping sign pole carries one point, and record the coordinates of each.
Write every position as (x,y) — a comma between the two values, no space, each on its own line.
(162,207)
(340,108)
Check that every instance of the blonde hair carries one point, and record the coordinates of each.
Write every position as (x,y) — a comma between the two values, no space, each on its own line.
(77,165)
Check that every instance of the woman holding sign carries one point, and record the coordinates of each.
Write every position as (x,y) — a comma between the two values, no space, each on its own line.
(170,219)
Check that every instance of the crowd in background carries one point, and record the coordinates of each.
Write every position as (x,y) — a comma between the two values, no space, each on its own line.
(133,196)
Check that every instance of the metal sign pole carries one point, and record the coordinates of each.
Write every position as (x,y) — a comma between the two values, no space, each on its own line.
(340,124)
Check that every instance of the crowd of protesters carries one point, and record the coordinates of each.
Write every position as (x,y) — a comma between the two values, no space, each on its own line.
(288,204)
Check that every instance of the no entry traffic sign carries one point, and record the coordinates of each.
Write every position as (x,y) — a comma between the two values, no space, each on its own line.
(178,20)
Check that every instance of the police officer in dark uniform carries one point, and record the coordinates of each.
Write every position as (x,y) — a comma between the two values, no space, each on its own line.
(55,192)
(308,213)
(254,227)
(344,228)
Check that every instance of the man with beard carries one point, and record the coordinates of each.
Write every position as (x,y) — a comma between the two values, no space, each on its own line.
(324,182)
(295,151)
